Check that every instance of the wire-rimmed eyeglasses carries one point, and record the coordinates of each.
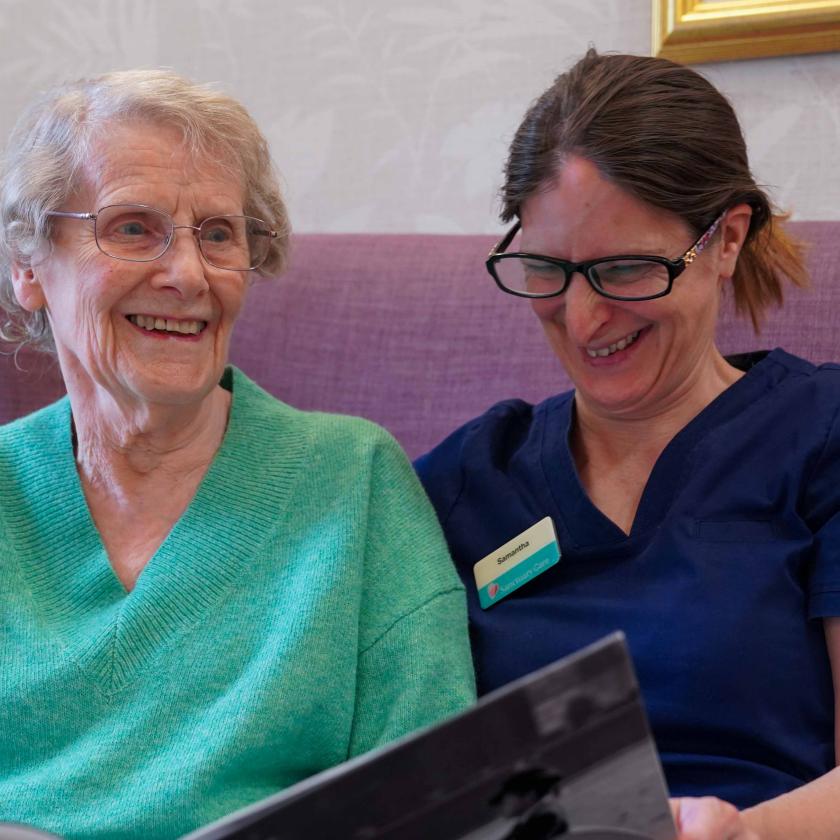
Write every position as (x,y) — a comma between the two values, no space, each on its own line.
(139,233)
(622,277)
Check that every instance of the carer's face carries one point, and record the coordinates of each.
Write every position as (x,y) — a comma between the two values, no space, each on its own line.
(626,359)
(100,308)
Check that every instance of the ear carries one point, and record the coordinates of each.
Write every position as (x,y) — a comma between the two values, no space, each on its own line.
(733,233)
(28,290)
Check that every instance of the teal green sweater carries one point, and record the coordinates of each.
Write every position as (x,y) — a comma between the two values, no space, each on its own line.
(302,610)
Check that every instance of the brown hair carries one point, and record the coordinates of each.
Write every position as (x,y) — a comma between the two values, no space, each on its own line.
(666,135)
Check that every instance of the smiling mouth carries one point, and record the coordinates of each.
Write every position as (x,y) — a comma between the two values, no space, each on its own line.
(167,325)
(602,352)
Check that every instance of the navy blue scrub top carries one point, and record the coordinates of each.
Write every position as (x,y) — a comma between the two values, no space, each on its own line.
(732,560)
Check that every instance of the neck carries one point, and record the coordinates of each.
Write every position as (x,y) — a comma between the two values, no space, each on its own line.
(123,446)
(646,431)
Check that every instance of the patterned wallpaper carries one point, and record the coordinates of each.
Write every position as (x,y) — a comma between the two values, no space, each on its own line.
(393,115)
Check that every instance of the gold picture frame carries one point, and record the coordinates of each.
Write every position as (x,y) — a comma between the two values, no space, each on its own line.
(694,31)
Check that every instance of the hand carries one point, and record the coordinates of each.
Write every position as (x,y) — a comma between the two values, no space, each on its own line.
(708,818)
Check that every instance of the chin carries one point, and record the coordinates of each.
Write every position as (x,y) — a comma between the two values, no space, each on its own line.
(171,387)
(612,398)
(618,405)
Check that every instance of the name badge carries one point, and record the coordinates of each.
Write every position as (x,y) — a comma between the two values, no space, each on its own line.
(516,562)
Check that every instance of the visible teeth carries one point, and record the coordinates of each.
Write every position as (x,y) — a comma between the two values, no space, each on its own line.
(602,352)
(147,322)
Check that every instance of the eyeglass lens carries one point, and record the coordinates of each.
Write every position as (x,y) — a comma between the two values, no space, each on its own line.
(141,234)
(622,278)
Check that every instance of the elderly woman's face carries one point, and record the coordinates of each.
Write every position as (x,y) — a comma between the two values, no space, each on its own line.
(101,309)
(625,358)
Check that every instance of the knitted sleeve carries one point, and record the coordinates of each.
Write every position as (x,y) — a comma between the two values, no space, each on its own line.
(414,665)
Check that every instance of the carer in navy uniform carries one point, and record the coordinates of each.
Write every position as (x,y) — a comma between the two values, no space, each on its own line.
(696,503)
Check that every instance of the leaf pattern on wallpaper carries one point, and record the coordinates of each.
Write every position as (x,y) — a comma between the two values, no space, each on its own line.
(394,115)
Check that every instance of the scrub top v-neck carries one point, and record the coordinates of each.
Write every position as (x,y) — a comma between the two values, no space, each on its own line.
(732,559)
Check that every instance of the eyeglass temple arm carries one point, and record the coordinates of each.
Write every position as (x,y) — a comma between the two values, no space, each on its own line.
(697,248)
(64,214)
(508,238)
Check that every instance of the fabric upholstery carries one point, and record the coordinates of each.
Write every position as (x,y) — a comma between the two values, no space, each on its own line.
(410,331)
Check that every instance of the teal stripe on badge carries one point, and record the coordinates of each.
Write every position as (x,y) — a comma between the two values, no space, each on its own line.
(519,575)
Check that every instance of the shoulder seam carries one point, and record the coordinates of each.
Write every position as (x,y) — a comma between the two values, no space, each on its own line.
(393,624)
(824,447)
(463,483)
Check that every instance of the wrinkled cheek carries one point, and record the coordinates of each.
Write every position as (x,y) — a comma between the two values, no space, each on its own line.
(557,342)
(237,301)
(551,315)
(231,310)
(549,309)
(95,337)
(219,350)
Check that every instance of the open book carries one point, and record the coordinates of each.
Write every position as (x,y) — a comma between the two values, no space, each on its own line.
(564,752)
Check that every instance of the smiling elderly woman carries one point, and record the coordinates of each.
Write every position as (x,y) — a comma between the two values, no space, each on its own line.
(205,595)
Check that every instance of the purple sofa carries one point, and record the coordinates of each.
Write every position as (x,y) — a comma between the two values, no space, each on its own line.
(410,331)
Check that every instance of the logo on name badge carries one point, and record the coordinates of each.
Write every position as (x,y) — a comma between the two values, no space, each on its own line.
(516,562)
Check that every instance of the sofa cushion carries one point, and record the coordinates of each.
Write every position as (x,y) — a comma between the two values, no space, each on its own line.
(410,331)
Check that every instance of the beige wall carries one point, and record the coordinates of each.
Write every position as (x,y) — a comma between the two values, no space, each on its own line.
(393,115)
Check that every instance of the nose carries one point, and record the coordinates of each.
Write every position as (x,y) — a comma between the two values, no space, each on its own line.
(182,268)
(583,310)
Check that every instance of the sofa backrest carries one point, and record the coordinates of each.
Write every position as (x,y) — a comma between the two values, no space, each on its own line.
(410,331)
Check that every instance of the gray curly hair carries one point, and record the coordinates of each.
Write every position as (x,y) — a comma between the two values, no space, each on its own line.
(51,144)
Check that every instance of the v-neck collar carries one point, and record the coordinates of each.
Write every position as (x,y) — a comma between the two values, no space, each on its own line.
(111,632)
(583,522)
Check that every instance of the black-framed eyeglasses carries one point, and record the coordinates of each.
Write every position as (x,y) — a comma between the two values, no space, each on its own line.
(622,277)
(138,233)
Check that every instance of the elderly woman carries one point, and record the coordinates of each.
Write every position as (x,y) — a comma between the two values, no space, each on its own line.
(205,595)
(696,499)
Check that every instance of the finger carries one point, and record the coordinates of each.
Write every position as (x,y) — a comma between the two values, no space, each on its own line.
(708,818)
